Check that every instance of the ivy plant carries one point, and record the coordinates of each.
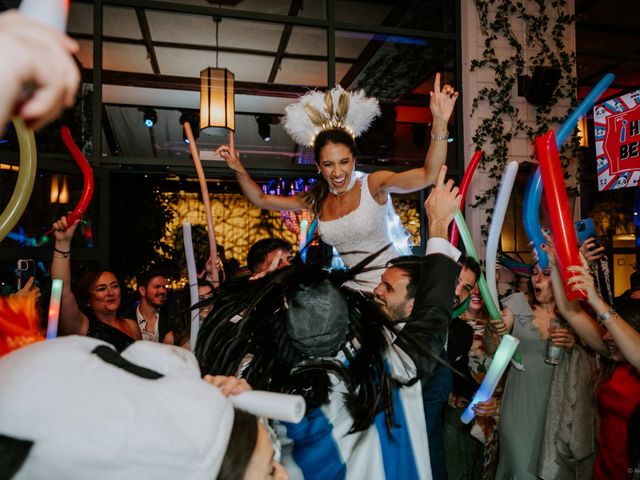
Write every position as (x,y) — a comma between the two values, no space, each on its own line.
(544,33)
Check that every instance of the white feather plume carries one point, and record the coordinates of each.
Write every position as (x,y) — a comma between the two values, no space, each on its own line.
(362,111)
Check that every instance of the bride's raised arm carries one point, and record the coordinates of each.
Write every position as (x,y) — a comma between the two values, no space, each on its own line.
(250,188)
(442,102)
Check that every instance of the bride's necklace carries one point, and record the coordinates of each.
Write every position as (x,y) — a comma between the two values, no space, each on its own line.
(352,182)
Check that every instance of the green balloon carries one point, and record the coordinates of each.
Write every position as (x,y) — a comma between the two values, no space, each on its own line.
(494,313)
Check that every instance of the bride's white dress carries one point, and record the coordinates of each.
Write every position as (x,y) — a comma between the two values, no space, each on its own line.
(363,231)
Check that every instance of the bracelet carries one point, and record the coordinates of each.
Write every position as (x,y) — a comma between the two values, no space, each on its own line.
(440,138)
(61,252)
(603,317)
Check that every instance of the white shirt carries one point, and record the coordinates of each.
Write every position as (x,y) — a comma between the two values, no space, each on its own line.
(142,323)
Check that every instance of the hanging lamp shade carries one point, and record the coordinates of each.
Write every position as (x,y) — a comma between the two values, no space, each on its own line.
(217,106)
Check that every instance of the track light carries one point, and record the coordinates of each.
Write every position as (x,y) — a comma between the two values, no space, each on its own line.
(150,117)
(264,127)
(194,121)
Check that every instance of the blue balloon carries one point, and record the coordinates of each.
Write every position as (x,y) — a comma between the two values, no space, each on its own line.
(531,217)
(533,195)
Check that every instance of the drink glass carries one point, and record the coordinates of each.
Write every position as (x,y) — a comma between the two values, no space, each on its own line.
(553,353)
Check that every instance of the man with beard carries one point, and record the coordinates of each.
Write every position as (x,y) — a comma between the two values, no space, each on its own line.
(152,313)
(396,295)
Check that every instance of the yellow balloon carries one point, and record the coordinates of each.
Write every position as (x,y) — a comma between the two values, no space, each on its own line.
(26,178)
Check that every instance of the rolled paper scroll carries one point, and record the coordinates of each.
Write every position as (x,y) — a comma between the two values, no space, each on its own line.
(278,406)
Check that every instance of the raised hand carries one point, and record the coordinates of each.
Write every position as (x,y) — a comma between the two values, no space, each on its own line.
(583,280)
(442,101)
(588,250)
(29,288)
(37,56)
(61,233)
(441,204)
(230,154)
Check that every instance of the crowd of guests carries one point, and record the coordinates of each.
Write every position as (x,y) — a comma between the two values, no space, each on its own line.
(383,367)
(543,420)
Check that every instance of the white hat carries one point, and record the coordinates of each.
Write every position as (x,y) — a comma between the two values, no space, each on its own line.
(96,417)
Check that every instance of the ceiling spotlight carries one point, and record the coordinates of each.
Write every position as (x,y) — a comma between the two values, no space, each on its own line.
(194,121)
(264,127)
(150,117)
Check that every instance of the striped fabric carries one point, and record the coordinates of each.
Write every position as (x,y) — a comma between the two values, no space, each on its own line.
(320,447)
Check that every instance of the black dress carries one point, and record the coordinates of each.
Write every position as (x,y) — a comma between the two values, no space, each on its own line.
(103,331)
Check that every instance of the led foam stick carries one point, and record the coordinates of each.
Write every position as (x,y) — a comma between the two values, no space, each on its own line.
(505,351)
(54,308)
(494,313)
(205,199)
(26,178)
(499,211)
(464,186)
(192,274)
(562,228)
(532,201)
(50,12)
(278,406)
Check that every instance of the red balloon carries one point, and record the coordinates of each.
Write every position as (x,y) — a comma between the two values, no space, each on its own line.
(562,228)
(87,175)
(464,186)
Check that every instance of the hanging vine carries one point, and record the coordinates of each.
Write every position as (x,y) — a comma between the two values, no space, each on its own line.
(543,35)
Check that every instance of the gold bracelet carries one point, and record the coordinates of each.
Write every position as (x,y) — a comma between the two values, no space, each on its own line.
(57,255)
(440,138)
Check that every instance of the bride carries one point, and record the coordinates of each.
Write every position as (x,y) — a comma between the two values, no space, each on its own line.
(352,209)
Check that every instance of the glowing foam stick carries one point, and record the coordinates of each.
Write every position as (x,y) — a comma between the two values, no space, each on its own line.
(499,211)
(278,406)
(506,350)
(193,282)
(54,308)
(50,12)
(205,199)
(304,225)
(531,207)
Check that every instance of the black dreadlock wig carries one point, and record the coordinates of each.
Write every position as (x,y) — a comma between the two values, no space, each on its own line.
(288,330)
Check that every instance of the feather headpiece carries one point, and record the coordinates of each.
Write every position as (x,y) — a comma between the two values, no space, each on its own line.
(317,111)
